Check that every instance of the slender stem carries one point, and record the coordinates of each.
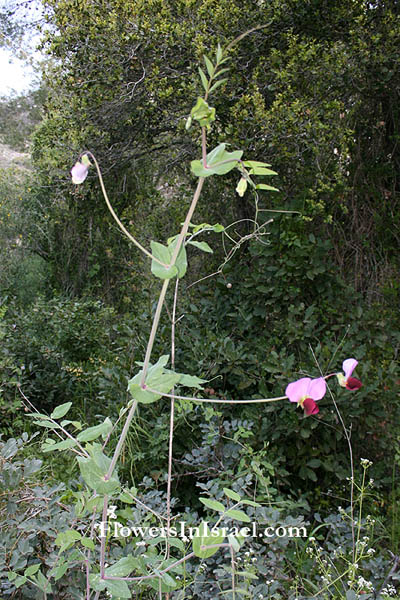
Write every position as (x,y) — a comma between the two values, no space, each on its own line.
(120,225)
(103,539)
(179,243)
(233,571)
(153,332)
(217,401)
(121,440)
(171,422)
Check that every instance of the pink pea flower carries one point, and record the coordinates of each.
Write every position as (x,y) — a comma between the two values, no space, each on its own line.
(80,170)
(305,391)
(346,380)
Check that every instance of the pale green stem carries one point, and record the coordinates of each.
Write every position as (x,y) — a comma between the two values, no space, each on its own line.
(179,243)
(217,401)
(171,422)
(121,440)
(120,225)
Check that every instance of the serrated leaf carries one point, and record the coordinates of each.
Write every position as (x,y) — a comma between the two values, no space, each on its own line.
(213,504)
(207,539)
(232,495)
(61,411)
(92,433)
(201,246)
(237,515)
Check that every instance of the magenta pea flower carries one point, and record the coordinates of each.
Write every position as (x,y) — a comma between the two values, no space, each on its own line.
(80,170)
(346,380)
(305,392)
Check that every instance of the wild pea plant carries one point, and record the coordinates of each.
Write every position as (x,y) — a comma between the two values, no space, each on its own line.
(161,562)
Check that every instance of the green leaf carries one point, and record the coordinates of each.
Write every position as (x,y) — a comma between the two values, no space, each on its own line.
(59,571)
(217,84)
(123,567)
(234,543)
(88,543)
(157,378)
(201,111)
(96,583)
(118,588)
(203,78)
(219,162)
(20,580)
(219,53)
(94,470)
(61,410)
(32,570)
(47,424)
(207,539)
(163,254)
(253,164)
(213,504)
(209,65)
(76,424)
(262,171)
(92,433)
(250,503)
(201,246)
(49,445)
(238,515)
(246,574)
(181,259)
(191,381)
(66,539)
(264,186)
(231,494)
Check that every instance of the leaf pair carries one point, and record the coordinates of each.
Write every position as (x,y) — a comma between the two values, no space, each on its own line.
(165,254)
(160,379)
(218,162)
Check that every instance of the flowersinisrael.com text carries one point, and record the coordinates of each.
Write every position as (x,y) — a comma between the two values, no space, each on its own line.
(182,530)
